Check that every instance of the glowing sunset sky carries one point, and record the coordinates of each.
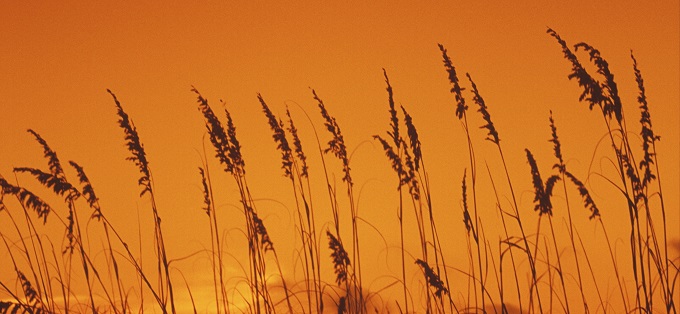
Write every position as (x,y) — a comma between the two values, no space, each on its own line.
(58,58)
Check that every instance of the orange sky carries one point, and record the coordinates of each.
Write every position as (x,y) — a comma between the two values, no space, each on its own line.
(58,59)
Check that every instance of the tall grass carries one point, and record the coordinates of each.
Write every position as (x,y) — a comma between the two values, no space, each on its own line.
(546,272)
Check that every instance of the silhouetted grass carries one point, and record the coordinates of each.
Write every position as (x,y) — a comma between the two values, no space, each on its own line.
(44,273)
